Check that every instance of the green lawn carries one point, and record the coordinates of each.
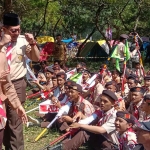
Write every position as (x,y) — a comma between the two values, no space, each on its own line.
(31,133)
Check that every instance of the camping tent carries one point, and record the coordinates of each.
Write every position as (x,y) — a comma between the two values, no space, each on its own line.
(93,50)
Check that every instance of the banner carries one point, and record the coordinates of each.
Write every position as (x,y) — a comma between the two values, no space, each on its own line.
(47,107)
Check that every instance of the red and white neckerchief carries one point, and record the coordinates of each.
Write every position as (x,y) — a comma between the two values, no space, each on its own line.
(105,118)
(9,54)
(75,107)
(123,140)
(136,112)
(3,118)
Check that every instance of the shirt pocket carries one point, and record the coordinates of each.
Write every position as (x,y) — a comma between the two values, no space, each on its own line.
(19,56)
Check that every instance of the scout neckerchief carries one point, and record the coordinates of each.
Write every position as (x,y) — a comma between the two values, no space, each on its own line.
(9,54)
(124,138)
(136,111)
(75,107)
(105,117)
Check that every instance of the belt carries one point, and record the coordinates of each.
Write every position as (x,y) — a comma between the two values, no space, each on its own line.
(17,79)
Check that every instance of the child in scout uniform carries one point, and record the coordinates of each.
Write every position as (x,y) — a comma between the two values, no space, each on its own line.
(143,135)
(116,76)
(125,134)
(61,79)
(85,77)
(132,81)
(94,134)
(145,107)
(112,86)
(105,74)
(138,71)
(95,91)
(78,104)
(137,94)
(147,84)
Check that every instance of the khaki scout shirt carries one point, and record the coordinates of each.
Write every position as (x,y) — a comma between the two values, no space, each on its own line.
(18,64)
(59,51)
(7,89)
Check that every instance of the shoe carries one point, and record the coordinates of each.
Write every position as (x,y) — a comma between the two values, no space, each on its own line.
(29,124)
(33,120)
(56,147)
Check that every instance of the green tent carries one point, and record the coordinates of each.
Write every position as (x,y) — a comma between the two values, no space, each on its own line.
(94,50)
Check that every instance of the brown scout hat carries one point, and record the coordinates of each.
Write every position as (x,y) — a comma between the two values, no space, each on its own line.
(110,94)
(126,116)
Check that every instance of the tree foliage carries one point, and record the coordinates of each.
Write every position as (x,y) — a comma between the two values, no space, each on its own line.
(78,17)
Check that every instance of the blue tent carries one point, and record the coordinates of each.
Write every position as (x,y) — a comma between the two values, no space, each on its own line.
(67,40)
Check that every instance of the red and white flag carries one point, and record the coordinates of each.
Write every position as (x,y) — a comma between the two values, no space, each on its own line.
(47,107)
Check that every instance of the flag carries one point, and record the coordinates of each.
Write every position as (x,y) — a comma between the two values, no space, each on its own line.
(127,52)
(47,107)
(76,77)
(115,54)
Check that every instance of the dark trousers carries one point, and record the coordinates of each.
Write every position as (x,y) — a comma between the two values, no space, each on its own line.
(13,134)
(81,137)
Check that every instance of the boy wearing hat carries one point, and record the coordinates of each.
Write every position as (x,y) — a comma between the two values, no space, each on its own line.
(143,135)
(94,134)
(125,134)
(112,86)
(145,107)
(78,104)
(16,47)
(137,94)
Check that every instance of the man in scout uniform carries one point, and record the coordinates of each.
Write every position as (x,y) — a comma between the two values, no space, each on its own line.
(59,51)
(78,104)
(112,86)
(121,50)
(145,107)
(137,94)
(94,134)
(15,50)
(7,91)
(125,134)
